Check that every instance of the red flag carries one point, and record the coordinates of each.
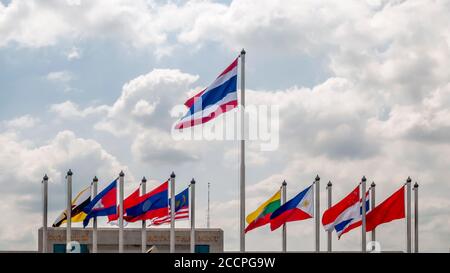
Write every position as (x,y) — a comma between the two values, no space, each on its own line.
(127,203)
(391,209)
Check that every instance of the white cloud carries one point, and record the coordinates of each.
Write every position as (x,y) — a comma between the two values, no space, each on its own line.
(60,76)
(22,165)
(73,54)
(70,110)
(23,122)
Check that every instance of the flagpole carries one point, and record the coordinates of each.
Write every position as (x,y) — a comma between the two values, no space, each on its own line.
(329,237)
(192,216)
(44,212)
(372,205)
(317,212)
(408,215)
(144,227)
(172,213)
(94,223)
(363,217)
(242,160)
(416,218)
(69,211)
(207,215)
(121,181)
(284,234)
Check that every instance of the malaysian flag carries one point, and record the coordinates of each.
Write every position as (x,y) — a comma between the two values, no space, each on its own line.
(181,209)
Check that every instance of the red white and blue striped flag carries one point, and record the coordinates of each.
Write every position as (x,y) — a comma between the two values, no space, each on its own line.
(181,209)
(217,98)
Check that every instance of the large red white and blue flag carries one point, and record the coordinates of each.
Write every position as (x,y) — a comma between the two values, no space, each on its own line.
(217,98)
(104,204)
(299,208)
(346,214)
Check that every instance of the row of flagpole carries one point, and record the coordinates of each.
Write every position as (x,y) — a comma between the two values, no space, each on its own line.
(121,214)
(409,239)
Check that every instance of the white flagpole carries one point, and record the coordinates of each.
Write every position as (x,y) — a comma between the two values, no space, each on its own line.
(408,215)
(283,201)
(317,212)
(192,216)
(208,211)
(363,217)
(69,211)
(121,181)
(144,227)
(94,223)
(44,212)
(242,159)
(372,206)
(172,213)
(416,218)
(329,237)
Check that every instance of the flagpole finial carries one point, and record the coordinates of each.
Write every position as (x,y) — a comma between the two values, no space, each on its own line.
(363,179)
(69,173)
(373,184)
(121,174)
(416,185)
(284,183)
(192,181)
(317,178)
(329,184)
(172,175)
(95,179)
(408,180)
(46,177)
(144,180)
(243,52)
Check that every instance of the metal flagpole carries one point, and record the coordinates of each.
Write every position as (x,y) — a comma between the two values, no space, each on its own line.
(207,215)
(69,210)
(372,206)
(408,215)
(317,212)
(284,234)
(416,218)
(94,223)
(242,161)
(121,181)
(192,216)
(44,212)
(363,217)
(172,213)
(144,228)
(329,237)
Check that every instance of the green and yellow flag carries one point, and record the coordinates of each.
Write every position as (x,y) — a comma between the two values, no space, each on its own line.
(261,215)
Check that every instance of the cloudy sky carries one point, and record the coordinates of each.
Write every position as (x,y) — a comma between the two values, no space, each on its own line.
(363,88)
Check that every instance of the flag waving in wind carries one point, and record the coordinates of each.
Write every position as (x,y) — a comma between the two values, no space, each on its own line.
(300,207)
(78,204)
(261,215)
(218,98)
(181,209)
(104,204)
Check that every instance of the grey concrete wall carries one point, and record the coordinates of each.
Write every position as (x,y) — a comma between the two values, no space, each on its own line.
(108,238)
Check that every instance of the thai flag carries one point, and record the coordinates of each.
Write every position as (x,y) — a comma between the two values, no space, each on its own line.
(299,208)
(181,209)
(346,214)
(104,204)
(218,98)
